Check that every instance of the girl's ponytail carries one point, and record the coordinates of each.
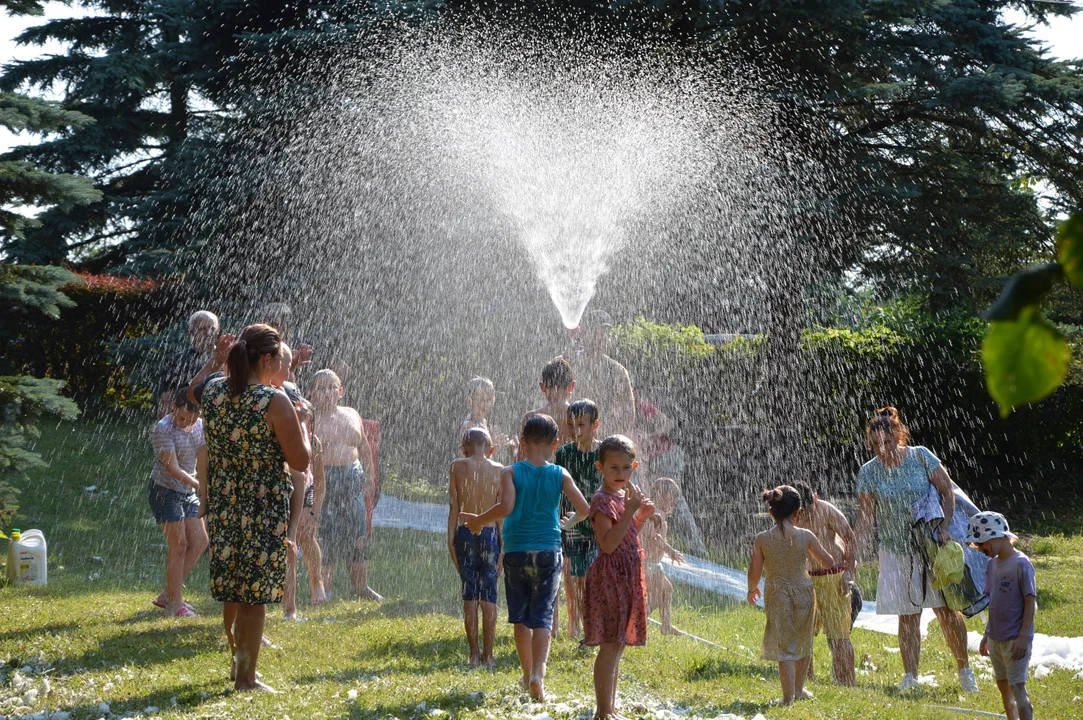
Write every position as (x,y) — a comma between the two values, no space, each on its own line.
(255,342)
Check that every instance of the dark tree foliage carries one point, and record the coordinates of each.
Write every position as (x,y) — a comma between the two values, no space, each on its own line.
(22,184)
(163,80)
(947,123)
(23,7)
(944,114)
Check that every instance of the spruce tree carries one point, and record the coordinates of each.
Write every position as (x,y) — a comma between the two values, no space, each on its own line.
(23,184)
(124,69)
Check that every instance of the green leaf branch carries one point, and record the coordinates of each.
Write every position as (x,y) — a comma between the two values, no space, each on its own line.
(1025,357)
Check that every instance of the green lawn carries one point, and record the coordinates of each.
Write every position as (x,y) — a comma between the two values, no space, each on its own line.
(93,633)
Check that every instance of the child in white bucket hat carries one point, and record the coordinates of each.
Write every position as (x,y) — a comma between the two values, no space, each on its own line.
(1009,635)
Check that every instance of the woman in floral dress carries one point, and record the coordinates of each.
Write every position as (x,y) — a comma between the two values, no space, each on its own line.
(253,509)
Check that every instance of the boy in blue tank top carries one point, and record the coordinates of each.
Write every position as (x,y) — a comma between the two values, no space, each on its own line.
(530,492)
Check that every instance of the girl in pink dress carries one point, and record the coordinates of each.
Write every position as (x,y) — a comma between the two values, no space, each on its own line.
(615,598)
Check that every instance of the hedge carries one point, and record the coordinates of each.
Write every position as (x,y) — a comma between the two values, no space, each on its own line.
(78,346)
(927,366)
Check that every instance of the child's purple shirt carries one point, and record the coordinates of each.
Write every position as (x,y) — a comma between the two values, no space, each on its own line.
(1008,583)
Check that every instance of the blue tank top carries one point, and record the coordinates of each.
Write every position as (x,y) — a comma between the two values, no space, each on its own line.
(534,523)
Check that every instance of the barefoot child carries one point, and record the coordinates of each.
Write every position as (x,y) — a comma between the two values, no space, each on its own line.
(530,492)
(174,498)
(557,384)
(580,459)
(666,492)
(474,487)
(832,585)
(1009,635)
(347,462)
(615,601)
(789,598)
(307,526)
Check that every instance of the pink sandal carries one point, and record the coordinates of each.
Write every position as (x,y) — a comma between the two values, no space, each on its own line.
(159,604)
(185,612)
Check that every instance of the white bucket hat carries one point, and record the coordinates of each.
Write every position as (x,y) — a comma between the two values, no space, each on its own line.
(986,526)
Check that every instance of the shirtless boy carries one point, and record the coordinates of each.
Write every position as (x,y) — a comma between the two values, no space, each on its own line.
(833,584)
(557,384)
(655,535)
(347,462)
(474,487)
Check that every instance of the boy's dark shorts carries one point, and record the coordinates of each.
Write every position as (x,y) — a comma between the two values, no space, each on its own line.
(477,556)
(579,552)
(172,506)
(531,581)
(310,496)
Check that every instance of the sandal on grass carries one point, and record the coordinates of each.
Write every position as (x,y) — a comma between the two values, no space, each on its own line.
(162,604)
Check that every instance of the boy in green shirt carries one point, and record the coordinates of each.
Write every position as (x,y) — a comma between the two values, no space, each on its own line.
(578,458)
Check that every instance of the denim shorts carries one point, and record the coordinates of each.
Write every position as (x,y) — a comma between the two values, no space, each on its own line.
(531,581)
(170,505)
(580,553)
(477,556)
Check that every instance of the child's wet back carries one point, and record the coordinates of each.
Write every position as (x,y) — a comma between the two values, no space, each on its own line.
(474,488)
(477,484)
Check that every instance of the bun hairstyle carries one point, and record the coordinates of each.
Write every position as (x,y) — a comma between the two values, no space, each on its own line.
(782,502)
(886,420)
(255,342)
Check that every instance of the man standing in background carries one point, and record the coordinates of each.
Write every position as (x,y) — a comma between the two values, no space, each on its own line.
(602,379)
(184,365)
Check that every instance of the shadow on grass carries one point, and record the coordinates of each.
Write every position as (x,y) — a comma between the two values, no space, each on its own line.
(186,696)
(716,668)
(415,658)
(27,633)
(353,612)
(750,709)
(451,702)
(155,646)
(149,615)
(400,608)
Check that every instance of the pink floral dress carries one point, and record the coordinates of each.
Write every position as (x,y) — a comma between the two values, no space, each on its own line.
(615,600)
(248,491)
